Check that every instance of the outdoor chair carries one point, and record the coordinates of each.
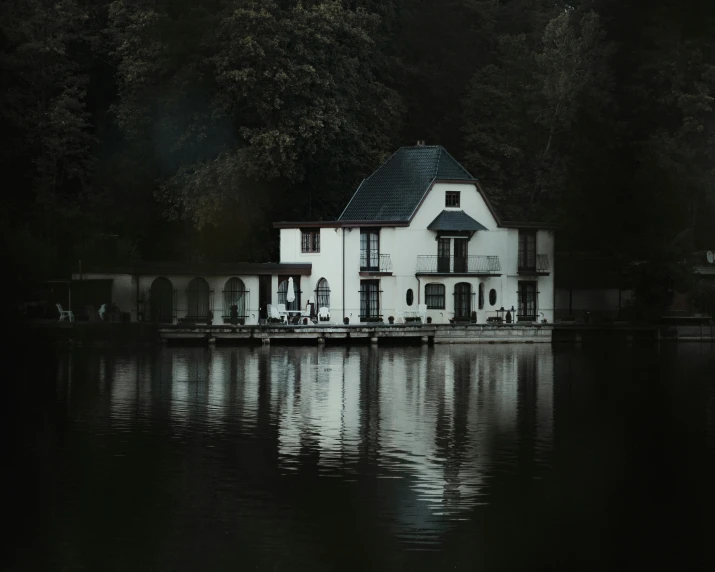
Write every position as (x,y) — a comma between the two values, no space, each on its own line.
(323,314)
(400,317)
(282,312)
(65,313)
(274,314)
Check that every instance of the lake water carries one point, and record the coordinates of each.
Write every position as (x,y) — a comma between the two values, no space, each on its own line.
(488,457)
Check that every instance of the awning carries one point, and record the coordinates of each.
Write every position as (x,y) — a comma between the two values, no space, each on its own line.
(455,221)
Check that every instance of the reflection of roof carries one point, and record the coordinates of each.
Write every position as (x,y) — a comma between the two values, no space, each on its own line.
(394,191)
(455,220)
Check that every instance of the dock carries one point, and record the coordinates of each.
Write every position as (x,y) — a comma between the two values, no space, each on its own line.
(375,333)
(148,334)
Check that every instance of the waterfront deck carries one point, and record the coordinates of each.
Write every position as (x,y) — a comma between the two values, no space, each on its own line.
(374,333)
(146,334)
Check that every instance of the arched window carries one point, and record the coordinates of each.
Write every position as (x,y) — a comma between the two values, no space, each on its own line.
(283,294)
(322,294)
(434,296)
(493,297)
(235,294)
(462,300)
(161,301)
(409,297)
(481,295)
(197,296)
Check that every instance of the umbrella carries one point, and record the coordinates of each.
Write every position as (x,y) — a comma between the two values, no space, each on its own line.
(290,294)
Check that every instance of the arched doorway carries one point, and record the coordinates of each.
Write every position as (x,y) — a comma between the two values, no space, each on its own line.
(197,296)
(283,293)
(322,294)
(162,301)
(235,294)
(462,300)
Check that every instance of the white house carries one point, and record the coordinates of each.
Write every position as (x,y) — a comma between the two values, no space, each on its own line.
(420,230)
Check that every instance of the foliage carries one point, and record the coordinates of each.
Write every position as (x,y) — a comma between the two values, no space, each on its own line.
(182,129)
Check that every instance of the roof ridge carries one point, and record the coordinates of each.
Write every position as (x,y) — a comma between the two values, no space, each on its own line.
(458,164)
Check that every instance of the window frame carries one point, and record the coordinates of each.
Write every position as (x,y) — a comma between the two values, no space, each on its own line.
(369,249)
(455,197)
(431,296)
(312,244)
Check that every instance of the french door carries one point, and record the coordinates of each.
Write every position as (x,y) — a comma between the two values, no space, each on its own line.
(369,299)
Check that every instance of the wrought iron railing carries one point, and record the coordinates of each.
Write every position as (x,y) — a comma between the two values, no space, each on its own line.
(530,264)
(383,265)
(431,264)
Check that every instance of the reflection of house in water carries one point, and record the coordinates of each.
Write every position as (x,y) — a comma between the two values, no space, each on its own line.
(431,418)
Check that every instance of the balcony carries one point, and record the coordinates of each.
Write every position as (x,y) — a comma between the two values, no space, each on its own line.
(530,266)
(376,266)
(472,265)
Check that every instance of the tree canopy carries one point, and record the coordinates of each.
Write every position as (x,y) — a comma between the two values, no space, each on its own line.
(180,129)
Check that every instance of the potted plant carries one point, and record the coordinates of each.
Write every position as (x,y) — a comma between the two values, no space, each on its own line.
(391,319)
(305,321)
(346,320)
(429,319)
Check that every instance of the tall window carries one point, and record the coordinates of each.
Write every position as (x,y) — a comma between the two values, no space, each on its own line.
(527,301)
(310,240)
(370,249)
(452,199)
(527,249)
(234,294)
(369,299)
(481,295)
(198,299)
(434,296)
(322,294)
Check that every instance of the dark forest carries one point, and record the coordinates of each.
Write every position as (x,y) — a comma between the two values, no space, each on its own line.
(180,130)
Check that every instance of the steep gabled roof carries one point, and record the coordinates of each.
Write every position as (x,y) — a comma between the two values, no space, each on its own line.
(395,190)
(455,220)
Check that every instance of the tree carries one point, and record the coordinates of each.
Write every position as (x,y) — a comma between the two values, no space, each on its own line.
(520,111)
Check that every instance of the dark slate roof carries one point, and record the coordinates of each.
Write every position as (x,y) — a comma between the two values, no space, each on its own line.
(393,192)
(455,220)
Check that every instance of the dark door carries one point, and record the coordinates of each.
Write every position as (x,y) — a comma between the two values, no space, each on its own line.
(162,301)
(460,254)
(264,296)
(462,300)
(443,254)
(369,299)
(527,301)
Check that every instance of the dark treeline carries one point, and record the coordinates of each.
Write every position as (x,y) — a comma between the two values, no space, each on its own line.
(176,129)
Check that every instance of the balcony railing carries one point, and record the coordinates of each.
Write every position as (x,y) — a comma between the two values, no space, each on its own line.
(458,265)
(529,265)
(384,264)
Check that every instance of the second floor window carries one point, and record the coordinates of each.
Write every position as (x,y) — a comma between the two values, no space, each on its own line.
(527,249)
(452,199)
(310,240)
(369,249)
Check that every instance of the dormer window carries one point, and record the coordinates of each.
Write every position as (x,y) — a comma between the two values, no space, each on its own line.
(452,199)
(310,240)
